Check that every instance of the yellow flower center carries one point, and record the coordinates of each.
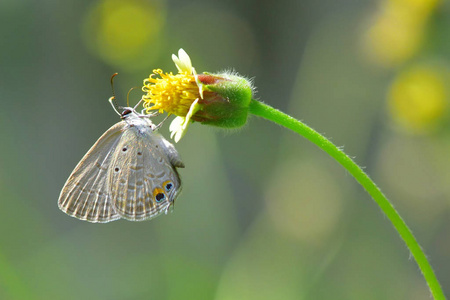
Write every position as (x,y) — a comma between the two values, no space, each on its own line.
(171,93)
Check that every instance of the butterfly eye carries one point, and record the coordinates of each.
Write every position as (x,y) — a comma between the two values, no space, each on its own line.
(168,186)
(126,112)
(159,195)
(116,169)
(124,149)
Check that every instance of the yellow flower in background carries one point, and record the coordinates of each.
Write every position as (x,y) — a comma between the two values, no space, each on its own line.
(390,42)
(417,7)
(419,97)
(125,34)
(397,31)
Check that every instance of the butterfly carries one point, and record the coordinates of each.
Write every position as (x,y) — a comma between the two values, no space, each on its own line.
(129,173)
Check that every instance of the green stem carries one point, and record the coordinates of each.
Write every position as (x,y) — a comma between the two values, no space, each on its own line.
(262,110)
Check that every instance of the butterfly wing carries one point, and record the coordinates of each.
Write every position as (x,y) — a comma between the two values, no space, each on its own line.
(86,194)
(143,176)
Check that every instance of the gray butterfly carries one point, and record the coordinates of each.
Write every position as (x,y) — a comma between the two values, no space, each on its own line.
(129,173)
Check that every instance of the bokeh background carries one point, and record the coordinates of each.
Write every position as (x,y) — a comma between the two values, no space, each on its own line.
(263,214)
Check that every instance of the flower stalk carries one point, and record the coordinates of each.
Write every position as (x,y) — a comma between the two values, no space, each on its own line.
(267,112)
(226,99)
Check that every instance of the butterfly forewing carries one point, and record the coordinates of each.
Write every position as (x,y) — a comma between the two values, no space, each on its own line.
(143,179)
(86,194)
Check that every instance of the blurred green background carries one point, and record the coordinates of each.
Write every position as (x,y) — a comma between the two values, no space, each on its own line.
(263,214)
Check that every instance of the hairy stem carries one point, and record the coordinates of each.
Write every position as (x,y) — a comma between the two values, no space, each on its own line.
(262,110)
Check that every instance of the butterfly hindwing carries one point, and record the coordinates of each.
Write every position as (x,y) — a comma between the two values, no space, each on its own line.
(143,175)
(86,194)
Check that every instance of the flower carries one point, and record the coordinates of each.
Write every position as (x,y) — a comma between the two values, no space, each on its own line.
(419,98)
(215,99)
(123,33)
(398,30)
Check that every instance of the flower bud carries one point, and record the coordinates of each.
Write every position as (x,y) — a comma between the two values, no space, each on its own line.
(225,100)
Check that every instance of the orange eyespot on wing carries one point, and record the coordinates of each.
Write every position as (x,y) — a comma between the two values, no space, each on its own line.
(159,195)
(168,185)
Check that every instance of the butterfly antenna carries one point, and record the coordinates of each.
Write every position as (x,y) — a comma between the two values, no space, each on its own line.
(128,97)
(112,100)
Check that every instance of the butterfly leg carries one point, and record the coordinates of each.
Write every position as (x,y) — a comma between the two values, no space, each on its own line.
(161,123)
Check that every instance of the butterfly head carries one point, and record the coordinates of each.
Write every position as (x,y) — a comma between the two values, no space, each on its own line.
(126,112)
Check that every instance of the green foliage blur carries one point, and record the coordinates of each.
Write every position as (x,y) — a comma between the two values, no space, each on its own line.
(263,213)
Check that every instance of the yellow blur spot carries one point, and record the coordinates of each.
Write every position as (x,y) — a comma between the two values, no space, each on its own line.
(397,31)
(125,34)
(423,7)
(418,98)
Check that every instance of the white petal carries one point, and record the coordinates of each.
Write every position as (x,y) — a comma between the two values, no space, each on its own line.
(183,62)
(199,84)
(184,57)
(177,62)
(176,123)
(177,129)
(177,136)
(179,125)
(192,110)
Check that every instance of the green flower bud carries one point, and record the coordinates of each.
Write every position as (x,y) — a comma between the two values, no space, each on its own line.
(225,101)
